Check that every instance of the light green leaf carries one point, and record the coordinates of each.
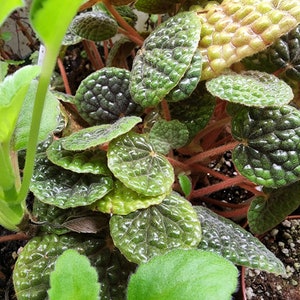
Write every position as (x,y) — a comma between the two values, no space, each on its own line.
(226,238)
(136,164)
(3,70)
(12,93)
(97,135)
(269,153)
(267,212)
(8,7)
(54,185)
(73,278)
(86,161)
(156,230)
(184,274)
(49,121)
(50,19)
(251,88)
(185,184)
(122,201)
(167,135)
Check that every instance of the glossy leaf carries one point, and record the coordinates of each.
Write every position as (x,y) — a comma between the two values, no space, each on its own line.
(56,186)
(156,230)
(232,31)
(36,262)
(184,274)
(94,25)
(164,58)
(97,135)
(8,7)
(189,81)
(269,151)
(122,201)
(167,135)
(267,212)
(226,238)
(103,97)
(73,278)
(86,161)
(251,88)
(195,112)
(48,123)
(42,14)
(12,93)
(133,160)
(185,184)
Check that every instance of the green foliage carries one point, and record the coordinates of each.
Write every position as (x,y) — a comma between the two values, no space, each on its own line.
(184,273)
(7,7)
(73,278)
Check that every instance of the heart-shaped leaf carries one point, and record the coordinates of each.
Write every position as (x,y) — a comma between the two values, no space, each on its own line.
(157,229)
(86,161)
(73,278)
(122,200)
(269,153)
(54,185)
(167,135)
(230,240)
(97,135)
(267,212)
(36,262)
(164,58)
(251,88)
(103,97)
(132,159)
(184,274)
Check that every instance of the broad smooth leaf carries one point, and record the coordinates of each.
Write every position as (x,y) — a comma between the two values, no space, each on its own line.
(251,88)
(164,58)
(8,7)
(232,31)
(122,200)
(97,135)
(132,159)
(54,185)
(12,93)
(37,260)
(269,153)
(267,212)
(184,274)
(51,19)
(49,122)
(156,230)
(234,243)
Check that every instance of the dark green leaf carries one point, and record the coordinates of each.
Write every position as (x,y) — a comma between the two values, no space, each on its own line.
(157,229)
(136,164)
(156,6)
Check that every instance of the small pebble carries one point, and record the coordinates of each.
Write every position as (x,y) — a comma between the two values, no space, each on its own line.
(286,223)
(249,293)
(285,251)
(274,232)
(281,244)
(294,282)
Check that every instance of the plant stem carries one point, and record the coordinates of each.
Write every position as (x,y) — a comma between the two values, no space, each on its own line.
(64,76)
(93,54)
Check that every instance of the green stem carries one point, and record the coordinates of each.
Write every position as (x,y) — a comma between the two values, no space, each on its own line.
(44,81)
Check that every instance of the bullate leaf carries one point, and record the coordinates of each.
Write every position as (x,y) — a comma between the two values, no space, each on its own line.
(86,161)
(133,160)
(269,153)
(232,31)
(164,58)
(49,122)
(167,135)
(156,230)
(267,212)
(73,278)
(251,88)
(54,185)
(122,201)
(189,81)
(94,25)
(97,135)
(155,6)
(184,274)
(231,241)
(103,97)
(37,260)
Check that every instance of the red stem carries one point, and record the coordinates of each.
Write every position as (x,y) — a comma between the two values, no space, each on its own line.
(64,76)
(239,212)
(14,237)
(93,54)
(166,110)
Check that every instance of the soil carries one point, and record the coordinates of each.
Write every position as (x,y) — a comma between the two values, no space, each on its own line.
(284,242)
